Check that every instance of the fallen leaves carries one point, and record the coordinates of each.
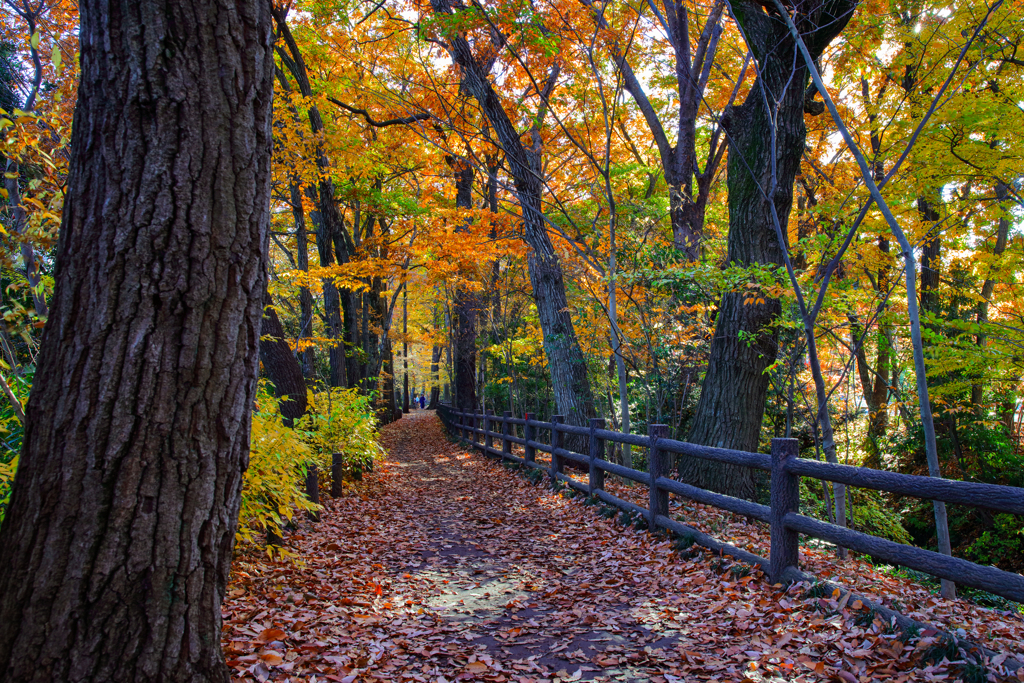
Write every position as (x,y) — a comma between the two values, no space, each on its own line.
(445,567)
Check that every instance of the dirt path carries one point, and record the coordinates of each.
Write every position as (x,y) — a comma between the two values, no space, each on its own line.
(442,566)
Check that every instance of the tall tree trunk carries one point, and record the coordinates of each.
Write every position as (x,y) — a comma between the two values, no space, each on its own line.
(567,365)
(435,386)
(465,308)
(732,400)
(330,235)
(931,254)
(987,288)
(117,543)
(305,297)
(405,350)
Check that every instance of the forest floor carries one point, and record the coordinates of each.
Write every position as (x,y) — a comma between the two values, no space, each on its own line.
(443,566)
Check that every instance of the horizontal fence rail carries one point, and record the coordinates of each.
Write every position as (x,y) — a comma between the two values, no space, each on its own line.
(782,515)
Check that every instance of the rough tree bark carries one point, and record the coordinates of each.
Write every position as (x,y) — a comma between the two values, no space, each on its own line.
(732,400)
(117,543)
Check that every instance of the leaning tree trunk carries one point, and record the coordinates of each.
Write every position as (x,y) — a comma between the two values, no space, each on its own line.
(732,399)
(117,543)
(566,363)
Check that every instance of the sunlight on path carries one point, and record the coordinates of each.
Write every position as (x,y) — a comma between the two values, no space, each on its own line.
(445,567)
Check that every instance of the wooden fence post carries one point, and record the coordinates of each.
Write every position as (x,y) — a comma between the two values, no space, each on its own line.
(557,441)
(785,498)
(313,489)
(488,440)
(529,432)
(337,475)
(656,467)
(596,480)
(506,445)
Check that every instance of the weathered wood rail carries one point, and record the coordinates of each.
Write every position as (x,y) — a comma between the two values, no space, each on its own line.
(783,514)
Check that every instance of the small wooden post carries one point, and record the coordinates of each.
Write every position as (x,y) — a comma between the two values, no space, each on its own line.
(557,441)
(785,498)
(657,466)
(337,475)
(313,490)
(488,440)
(529,434)
(596,453)
(506,445)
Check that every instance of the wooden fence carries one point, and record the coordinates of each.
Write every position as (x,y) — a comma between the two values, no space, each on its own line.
(782,515)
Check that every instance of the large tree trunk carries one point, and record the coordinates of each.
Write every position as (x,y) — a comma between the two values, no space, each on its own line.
(732,399)
(117,542)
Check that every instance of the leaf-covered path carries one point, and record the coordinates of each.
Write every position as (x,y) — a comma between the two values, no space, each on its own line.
(442,566)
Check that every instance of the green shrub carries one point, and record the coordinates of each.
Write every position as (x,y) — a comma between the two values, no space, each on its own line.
(1004,540)
(341,421)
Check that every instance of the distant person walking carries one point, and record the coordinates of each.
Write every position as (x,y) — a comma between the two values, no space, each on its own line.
(423,402)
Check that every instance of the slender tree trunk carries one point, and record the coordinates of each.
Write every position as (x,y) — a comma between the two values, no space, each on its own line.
(330,229)
(117,543)
(405,350)
(616,339)
(466,306)
(987,289)
(435,386)
(19,222)
(305,297)
(567,365)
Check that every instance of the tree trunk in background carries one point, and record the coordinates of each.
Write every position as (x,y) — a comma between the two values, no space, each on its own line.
(117,543)
(281,367)
(874,388)
(987,288)
(435,386)
(465,307)
(305,297)
(732,400)
(353,367)
(405,350)
(567,365)
(326,218)
(931,254)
